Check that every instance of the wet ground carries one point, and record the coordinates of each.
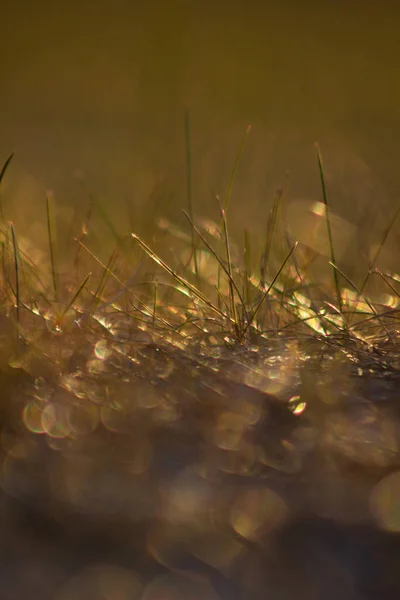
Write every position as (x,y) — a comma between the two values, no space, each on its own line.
(193,480)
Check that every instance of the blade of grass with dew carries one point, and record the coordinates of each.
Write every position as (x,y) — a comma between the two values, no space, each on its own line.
(189,192)
(52,235)
(329,230)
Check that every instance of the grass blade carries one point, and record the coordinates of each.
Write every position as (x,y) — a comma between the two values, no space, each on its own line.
(229,190)
(189,192)
(5,166)
(52,235)
(329,231)
(16,266)
(272,219)
(2,174)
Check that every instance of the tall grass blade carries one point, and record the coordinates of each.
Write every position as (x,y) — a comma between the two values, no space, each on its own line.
(52,235)
(2,174)
(272,219)
(247,259)
(16,267)
(5,166)
(229,190)
(189,192)
(329,230)
(232,287)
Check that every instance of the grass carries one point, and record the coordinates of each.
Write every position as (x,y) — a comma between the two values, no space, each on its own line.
(222,359)
(221,293)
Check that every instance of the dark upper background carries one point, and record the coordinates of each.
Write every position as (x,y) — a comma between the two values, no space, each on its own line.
(102,87)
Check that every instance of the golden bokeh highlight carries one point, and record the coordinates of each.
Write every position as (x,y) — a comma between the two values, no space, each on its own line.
(257,512)
(385,502)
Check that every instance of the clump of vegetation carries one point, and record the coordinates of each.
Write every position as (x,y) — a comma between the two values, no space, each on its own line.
(175,364)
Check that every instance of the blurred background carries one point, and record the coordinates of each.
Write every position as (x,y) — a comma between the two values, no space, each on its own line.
(101,91)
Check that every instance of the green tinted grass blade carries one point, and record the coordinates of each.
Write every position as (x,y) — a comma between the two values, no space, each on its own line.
(5,166)
(189,192)
(52,235)
(329,230)
(2,174)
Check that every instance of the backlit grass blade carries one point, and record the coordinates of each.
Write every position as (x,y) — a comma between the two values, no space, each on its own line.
(52,235)
(271,225)
(229,191)
(16,268)
(189,192)
(329,230)
(2,174)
